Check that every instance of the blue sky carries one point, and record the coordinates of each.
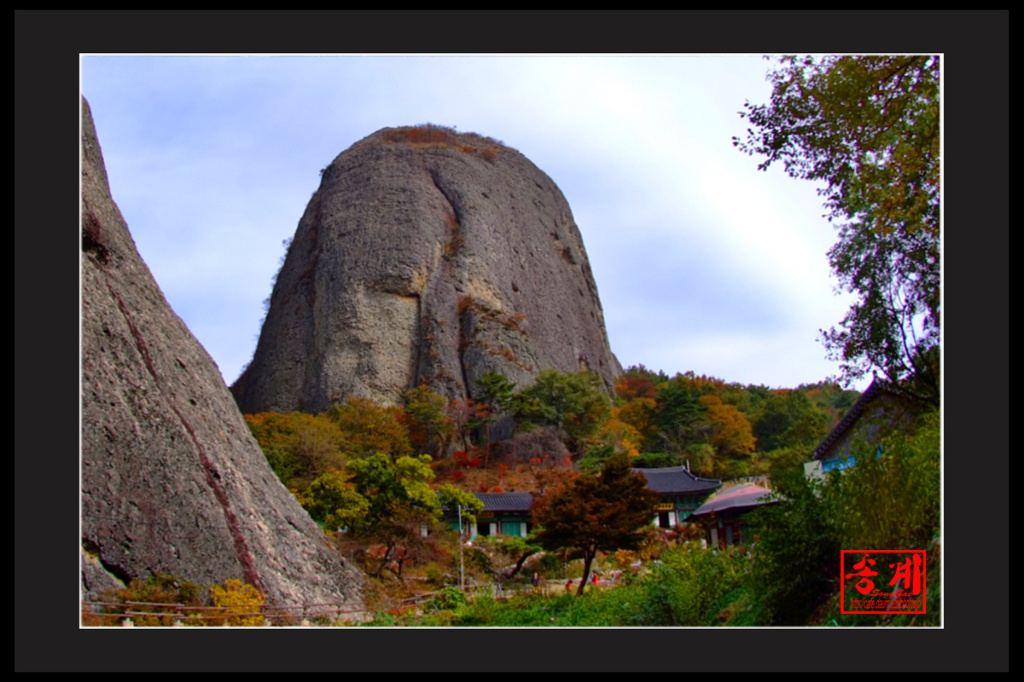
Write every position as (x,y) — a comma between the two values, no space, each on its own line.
(702,262)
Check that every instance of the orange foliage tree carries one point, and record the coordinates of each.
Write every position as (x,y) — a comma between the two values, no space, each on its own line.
(368,428)
(298,446)
(604,512)
(732,433)
(639,414)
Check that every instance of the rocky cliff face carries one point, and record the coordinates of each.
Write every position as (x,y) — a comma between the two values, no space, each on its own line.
(426,256)
(172,480)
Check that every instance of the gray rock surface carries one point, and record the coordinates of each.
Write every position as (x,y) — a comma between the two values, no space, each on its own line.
(426,256)
(172,480)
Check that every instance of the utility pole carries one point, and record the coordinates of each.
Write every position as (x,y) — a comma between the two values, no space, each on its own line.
(462,572)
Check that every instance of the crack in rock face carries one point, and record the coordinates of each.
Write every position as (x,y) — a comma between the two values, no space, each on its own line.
(430,257)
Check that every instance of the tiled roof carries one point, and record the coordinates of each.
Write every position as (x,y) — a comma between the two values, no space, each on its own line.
(506,502)
(740,497)
(677,480)
(876,388)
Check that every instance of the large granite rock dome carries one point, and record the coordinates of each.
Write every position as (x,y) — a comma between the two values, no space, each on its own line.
(426,256)
(172,480)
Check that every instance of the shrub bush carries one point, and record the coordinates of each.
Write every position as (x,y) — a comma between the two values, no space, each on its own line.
(241,602)
(157,589)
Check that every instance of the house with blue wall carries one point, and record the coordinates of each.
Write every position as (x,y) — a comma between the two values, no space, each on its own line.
(875,414)
(503,514)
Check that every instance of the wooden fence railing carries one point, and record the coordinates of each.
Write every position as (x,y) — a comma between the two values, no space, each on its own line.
(130,613)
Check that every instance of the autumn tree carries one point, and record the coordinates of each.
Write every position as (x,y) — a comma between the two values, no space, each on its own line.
(868,128)
(605,512)
(299,447)
(466,416)
(639,413)
(731,434)
(368,428)
(430,428)
(240,603)
(638,382)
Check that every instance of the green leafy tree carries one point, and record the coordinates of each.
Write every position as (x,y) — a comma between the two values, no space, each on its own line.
(452,498)
(332,500)
(683,588)
(680,418)
(796,564)
(390,487)
(509,554)
(497,392)
(890,499)
(789,419)
(380,501)
(605,512)
(574,403)
(868,128)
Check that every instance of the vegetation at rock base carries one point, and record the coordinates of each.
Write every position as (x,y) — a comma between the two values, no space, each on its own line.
(142,599)
(573,403)
(163,600)
(241,602)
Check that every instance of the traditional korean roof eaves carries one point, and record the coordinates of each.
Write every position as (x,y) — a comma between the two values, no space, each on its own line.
(677,480)
(877,387)
(739,498)
(506,502)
